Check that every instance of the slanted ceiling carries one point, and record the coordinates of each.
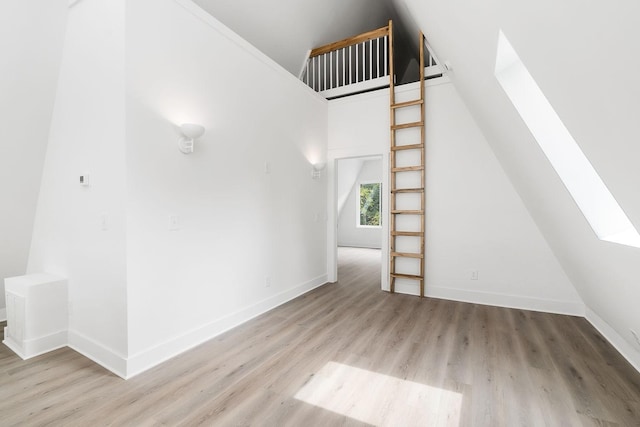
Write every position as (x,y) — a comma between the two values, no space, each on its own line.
(286,30)
(582,55)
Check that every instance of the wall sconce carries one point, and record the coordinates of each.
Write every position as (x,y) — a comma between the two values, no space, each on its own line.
(317,169)
(191,132)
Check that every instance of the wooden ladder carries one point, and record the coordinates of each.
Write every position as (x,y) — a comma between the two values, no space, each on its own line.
(414,153)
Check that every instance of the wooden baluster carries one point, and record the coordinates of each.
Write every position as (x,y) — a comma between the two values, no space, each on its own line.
(386,63)
(370,59)
(313,73)
(357,61)
(344,67)
(330,70)
(316,73)
(324,57)
(378,57)
(350,65)
(306,73)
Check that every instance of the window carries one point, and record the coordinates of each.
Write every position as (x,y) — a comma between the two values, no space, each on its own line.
(592,196)
(369,206)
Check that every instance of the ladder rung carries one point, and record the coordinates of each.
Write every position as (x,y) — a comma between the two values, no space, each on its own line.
(408,169)
(407,104)
(407,125)
(406,255)
(407,190)
(407,212)
(407,147)
(406,276)
(407,233)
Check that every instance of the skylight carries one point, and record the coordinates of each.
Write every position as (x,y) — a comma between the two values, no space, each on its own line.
(596,202)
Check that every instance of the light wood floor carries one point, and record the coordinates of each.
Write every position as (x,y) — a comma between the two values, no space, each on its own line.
(349,354)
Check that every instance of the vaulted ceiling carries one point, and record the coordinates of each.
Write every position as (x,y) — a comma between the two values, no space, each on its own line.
(285,30)
(581,54)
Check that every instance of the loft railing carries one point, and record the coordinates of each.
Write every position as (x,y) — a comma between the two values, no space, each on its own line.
(360,62)
(432,67)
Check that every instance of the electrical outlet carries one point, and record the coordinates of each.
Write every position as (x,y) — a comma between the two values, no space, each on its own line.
(174,223)
(267,281)
(635,335)
(474,275)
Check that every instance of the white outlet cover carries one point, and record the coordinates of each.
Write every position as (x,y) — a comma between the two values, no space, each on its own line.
(104,221)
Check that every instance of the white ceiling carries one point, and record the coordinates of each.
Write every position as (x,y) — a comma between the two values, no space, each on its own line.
(285,30)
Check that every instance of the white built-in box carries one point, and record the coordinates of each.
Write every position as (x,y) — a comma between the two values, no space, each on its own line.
(37,315)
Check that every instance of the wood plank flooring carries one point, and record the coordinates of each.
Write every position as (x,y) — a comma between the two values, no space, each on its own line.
(348,354)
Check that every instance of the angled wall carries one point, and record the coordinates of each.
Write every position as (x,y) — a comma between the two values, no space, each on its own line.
(31,37)
(165,250)
(251,230)
(475,219)
(79,232)
(581,56)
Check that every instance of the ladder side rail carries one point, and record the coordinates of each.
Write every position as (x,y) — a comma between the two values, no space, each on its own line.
(423,174)
(392,158)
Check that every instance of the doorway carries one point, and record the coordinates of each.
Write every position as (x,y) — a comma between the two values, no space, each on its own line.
(360,220)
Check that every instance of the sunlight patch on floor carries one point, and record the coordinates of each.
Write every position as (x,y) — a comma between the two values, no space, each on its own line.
(379,399)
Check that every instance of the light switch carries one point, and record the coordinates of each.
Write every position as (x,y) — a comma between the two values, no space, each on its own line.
(84,180)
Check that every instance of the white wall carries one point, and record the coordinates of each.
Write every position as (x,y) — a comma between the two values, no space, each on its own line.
(599,109)
(31,35)
(88,135)
(475,220)
(347,176)
(287,30)
(238,224)
(354,130)
(349,234)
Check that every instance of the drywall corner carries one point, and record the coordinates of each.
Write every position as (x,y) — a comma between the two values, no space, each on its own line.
(624,348)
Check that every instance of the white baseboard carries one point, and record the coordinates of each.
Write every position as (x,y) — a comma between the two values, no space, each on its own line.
(100,354)
(3,314)
(616,340)
(147,359)
(13,345)
(37,346)
(572,308)
(355,245)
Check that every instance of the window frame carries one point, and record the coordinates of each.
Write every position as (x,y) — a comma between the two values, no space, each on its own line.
(360,184)
(594,200)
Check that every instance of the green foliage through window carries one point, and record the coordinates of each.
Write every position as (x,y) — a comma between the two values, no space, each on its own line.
(370,204)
